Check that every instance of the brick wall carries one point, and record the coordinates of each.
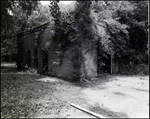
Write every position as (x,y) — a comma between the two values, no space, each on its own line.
(90,63)
(58,61)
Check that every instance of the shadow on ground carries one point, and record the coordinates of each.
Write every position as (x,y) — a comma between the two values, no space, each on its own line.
(5,69)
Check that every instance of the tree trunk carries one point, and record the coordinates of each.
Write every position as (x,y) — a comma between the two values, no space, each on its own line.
(111,64)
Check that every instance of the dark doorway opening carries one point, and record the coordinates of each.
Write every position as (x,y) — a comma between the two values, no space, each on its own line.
(45,62)
(104,64)
(35,58)
(28,58)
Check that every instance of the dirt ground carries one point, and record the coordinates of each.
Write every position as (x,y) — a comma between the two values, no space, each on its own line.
(37,96)
(127,95)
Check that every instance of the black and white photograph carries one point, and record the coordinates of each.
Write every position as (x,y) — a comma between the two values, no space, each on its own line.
(74,59)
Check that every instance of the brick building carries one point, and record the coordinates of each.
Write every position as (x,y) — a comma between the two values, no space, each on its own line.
(36,49)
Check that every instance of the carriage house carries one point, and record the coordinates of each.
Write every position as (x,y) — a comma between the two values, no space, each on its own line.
(36,50)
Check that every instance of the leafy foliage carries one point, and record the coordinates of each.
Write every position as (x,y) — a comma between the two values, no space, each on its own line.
(137,20)
(39,16)
(111,27)
(76,25)
(14,16)
(126,30)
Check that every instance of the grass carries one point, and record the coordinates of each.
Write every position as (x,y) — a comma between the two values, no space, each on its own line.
(17,92)
(24,97)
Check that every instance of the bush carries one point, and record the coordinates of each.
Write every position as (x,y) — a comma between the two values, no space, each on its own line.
(141,69)
(31,70)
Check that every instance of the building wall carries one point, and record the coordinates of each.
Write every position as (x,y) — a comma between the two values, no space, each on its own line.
(25,49)
(59,62)
(40,61)
(28,44)
(90,64)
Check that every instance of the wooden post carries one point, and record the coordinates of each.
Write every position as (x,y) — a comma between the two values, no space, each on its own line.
(112,55)
(111,62)
(87,111)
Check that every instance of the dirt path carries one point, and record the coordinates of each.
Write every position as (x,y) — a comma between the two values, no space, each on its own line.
(120,97)
(128,96)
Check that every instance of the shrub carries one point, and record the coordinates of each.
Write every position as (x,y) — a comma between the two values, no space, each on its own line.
(141,69)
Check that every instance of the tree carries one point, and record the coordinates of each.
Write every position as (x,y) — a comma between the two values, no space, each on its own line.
(112,35)
(137,20)
(76,26)
(39,16)
(14,16)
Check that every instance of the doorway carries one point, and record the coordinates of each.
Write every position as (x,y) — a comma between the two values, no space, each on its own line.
(45,62)
(104,64)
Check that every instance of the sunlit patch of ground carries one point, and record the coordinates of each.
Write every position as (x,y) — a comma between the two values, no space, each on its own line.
(8,65)
(49,79)
(128,95)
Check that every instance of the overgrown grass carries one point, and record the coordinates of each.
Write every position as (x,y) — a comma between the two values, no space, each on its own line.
(17,92)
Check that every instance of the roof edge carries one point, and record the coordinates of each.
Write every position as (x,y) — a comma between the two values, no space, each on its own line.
(33,29)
